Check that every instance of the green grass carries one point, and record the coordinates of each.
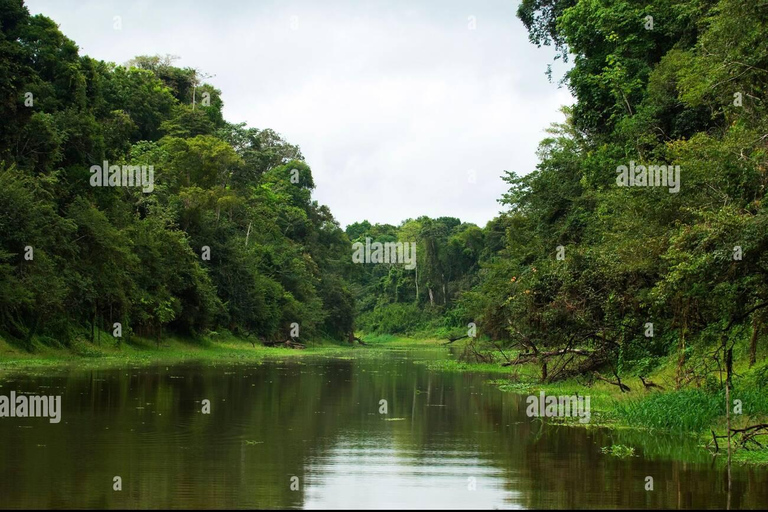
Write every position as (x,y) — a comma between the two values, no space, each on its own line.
(690,410)
(390,341)
(221,348)
(752,457)
(454,365)
(693,412)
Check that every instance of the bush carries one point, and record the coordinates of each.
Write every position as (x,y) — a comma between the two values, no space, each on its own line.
(395,318)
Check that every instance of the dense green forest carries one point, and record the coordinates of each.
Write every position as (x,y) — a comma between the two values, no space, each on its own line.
(603,274)
(229,237)
(576,269)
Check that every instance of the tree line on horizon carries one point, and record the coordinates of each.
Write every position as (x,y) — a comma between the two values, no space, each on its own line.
(579,273)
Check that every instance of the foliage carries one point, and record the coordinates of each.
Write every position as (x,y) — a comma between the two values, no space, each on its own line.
(119,254)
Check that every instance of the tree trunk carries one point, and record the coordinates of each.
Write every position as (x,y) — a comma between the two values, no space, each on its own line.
(728,360)
(31,333)
(417,283)
(680,359)
(753,341)
(445,295)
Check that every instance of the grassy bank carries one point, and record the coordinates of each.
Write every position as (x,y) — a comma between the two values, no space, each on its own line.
(224,347)
(142,351)
(692,411)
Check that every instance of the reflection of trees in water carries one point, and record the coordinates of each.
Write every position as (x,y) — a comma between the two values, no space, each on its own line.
(270,420)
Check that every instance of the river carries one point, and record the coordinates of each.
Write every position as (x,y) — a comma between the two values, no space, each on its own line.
(309,432)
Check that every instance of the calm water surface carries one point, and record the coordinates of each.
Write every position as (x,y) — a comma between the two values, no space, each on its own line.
(318,419)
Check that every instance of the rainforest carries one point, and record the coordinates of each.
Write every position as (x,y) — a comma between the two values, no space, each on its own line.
(218,268)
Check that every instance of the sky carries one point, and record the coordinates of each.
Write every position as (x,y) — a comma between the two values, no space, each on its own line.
(402,108)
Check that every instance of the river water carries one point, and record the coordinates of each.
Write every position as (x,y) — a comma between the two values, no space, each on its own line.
(310,433)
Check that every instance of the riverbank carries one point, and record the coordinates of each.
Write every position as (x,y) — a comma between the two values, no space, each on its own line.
(277,417)
(142,351)
(689,411)
(223,347)
(692,411)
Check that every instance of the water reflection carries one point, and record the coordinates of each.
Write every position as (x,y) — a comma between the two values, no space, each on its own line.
(448,440)
(369,473)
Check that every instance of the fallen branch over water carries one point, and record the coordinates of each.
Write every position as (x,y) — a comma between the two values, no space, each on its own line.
(748,434)
(532,357)
(451,340)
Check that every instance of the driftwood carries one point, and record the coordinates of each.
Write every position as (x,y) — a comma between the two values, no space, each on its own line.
(289,343)
(748,434)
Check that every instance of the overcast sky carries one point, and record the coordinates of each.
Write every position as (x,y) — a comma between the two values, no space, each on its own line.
(396,105)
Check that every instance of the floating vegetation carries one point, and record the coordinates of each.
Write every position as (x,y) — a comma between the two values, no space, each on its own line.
(619,450)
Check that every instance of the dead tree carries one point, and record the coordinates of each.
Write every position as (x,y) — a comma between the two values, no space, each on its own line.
(748,435)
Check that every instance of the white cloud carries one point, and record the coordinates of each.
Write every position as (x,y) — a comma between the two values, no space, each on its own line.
(392,103)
